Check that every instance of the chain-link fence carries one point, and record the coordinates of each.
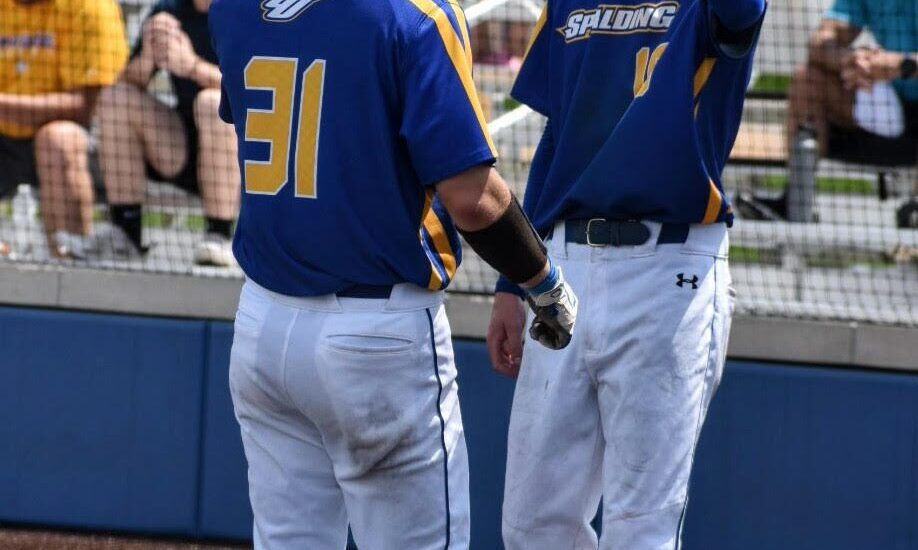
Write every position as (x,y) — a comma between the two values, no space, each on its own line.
(111,126)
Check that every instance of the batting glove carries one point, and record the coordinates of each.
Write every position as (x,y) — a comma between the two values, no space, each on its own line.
(555,306)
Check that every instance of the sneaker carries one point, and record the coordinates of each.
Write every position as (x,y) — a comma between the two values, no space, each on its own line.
(70,245)
(215,250)
(121,246)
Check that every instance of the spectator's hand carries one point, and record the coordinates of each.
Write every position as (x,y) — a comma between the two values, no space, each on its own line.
(886,66)
(172,49)
(856,69)
(156,31)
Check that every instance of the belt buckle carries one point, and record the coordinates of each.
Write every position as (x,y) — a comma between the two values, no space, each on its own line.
(589,227)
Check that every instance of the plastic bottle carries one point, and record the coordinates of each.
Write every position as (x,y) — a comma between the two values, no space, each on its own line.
(801,181)
(24,227)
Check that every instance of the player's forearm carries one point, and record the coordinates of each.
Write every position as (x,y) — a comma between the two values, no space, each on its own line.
(738,15)
(33,111)
(493,224)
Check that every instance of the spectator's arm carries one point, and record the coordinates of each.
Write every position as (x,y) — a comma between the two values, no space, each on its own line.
(886,65)
(140,70)
(34,111)
(831,43)
(207,75)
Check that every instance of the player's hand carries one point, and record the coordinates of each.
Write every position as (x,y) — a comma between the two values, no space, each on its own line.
(505,334)
(555,315)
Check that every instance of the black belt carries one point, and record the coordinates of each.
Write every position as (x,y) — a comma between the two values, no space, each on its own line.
(603,232)
(378,292)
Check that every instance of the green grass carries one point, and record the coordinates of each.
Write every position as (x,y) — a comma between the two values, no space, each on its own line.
(195,222)
(772,83)
(164,220)
(847,186)
(510,104)
(846,260)
(749,255)
(158,219)
(830,259)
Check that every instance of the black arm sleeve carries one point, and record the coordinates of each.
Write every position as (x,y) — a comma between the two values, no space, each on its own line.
(510,245)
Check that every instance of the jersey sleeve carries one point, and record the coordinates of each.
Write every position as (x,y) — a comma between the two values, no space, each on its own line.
(735,25)
(94,48)
(532,82)
(442,120)
(852,12)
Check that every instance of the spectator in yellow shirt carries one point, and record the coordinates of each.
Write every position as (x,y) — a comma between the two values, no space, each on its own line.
(55,57)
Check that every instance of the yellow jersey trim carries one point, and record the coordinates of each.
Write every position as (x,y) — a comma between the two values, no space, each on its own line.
(434,227)
(464,28)
(540,24)
(459,58)
(703,74)
(715,201)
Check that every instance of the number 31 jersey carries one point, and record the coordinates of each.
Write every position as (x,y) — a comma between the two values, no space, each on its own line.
(644,104)
(347,113)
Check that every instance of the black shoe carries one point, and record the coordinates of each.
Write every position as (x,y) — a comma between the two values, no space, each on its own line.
(751,207)
(907,215)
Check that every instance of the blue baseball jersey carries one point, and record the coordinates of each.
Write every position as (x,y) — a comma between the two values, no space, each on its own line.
(347,114)
(644,103)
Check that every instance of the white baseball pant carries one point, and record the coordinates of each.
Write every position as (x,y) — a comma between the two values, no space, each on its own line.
(618,412)
(349,413)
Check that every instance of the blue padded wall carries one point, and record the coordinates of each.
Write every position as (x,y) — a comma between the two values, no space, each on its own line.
(225,510)
(125,423)
(485,398)
(99,420)
(807,458)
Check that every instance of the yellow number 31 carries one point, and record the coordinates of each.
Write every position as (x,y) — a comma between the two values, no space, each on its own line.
(273,126)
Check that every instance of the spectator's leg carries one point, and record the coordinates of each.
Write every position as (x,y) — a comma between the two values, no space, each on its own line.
(62,162)
(136,129)
(218,170)
(816,99)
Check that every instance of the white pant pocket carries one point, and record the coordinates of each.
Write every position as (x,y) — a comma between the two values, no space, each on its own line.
(369,344)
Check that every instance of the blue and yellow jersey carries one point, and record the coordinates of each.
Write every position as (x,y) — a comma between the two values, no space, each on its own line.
(347,115)
(643,103)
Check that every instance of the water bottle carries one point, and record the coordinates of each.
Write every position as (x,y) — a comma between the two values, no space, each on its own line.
(24,210)
(801,181)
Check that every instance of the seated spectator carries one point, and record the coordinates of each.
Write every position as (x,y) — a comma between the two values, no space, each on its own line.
(188,145)
(55,57)
(858,105)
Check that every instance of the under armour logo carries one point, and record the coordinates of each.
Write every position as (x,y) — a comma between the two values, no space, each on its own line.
(284,10)
(681,281)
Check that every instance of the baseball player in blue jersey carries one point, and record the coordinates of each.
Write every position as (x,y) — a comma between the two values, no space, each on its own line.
(643,102)
(361,141)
